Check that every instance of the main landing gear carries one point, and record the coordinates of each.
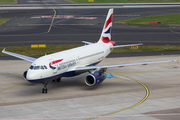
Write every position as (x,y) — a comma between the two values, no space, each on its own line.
(44,90)
(57,80)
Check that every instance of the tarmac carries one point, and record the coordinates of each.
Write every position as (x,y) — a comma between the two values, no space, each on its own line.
(148,92)
(141,92)
(26,27)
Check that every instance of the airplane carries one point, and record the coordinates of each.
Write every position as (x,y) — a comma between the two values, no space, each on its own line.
(76,61)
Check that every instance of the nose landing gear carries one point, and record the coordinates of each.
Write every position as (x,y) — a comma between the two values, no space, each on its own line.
(44,90)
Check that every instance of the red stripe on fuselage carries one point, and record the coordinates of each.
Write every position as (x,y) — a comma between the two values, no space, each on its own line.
(54,62)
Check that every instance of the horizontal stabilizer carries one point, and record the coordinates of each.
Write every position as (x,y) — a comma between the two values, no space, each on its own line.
(88,43)
(126,45)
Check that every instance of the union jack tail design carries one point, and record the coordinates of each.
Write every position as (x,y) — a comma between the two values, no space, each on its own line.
(106,32)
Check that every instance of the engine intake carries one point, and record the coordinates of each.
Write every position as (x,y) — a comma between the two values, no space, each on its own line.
(95,78)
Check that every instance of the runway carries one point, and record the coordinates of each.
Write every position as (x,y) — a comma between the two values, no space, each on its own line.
(136,92)
(25,29)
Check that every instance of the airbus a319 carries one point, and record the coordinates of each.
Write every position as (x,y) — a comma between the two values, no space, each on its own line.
(76,61)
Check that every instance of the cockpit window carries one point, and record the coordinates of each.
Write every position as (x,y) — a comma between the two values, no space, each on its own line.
(45,67)
(37,67)
(31,67)
(42,67)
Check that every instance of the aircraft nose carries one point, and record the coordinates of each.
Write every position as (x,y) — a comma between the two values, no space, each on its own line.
(31,75)
(34,76)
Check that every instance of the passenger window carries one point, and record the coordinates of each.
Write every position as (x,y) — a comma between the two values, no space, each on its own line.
(36,67)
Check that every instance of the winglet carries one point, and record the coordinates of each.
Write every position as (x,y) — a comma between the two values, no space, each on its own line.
(3,50)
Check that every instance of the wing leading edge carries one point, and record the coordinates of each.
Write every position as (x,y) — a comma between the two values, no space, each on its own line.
(30,59)
(120,65)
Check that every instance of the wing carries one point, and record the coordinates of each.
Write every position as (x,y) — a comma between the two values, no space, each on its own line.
(120,65)
(30,59)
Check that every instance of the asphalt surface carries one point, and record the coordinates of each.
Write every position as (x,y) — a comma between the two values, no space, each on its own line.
(21,29)
(138,92)
(71,99)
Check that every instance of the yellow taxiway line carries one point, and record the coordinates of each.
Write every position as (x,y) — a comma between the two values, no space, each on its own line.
(146,96)
(13,86)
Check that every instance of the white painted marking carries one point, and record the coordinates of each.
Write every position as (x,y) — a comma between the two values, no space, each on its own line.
(44,1)
(66,17)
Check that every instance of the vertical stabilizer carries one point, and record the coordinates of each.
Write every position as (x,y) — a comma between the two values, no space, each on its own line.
(106,32)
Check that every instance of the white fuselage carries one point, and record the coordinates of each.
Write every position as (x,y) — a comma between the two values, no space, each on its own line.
(61,63)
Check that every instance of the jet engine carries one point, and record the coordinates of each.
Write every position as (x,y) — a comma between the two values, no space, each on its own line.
(25,74)
(95,78)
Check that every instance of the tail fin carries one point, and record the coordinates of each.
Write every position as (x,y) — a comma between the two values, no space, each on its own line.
(106,32)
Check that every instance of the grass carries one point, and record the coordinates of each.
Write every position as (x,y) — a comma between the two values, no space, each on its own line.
(147,49)
(26,50)
(3,20)
(5,2)
(164,19)
(125,1)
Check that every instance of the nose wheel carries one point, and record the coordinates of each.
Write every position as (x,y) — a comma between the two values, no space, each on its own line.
(44,90)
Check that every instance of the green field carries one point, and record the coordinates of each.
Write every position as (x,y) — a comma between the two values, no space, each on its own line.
(170,19)
(28,51)
(4,2)
(125,1)
(3,20)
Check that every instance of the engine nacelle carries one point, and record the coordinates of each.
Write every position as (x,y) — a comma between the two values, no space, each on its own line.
(95,78)
(25,74)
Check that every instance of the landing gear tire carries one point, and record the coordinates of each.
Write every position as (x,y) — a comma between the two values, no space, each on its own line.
(44,90)
(58,80)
